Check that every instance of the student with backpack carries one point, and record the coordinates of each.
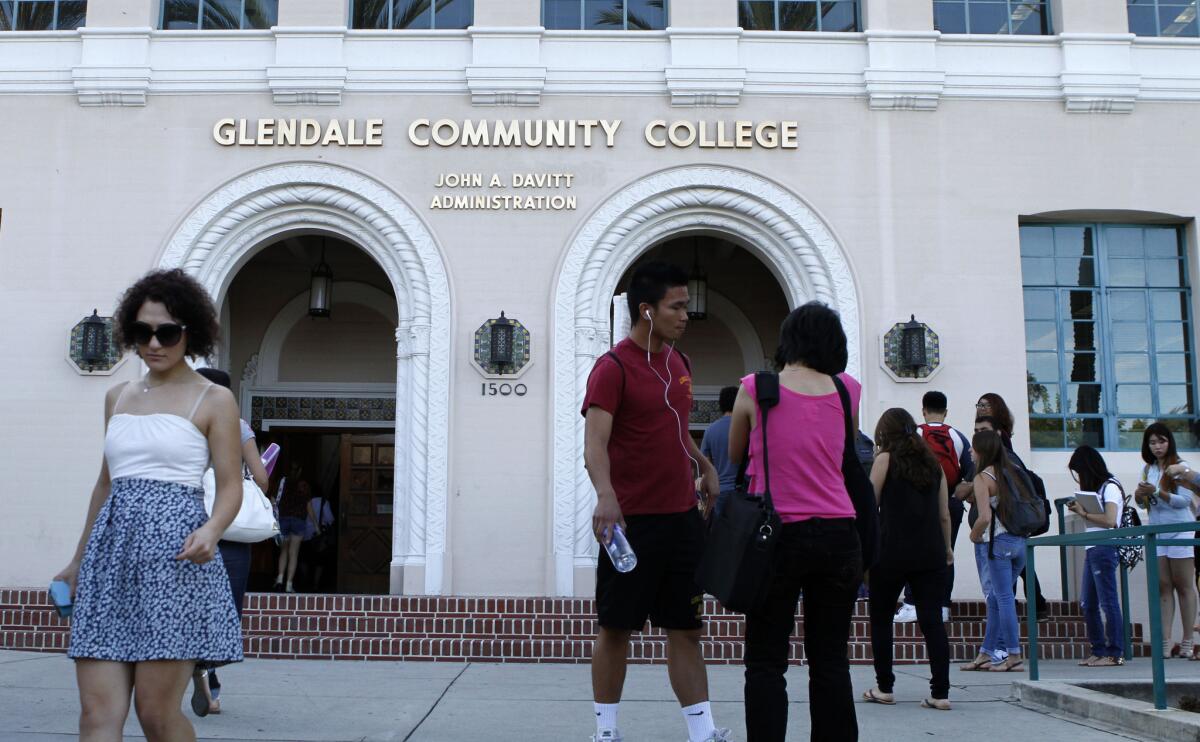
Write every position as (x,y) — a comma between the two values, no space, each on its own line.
(953,453)
(1098,593)
(1009,512)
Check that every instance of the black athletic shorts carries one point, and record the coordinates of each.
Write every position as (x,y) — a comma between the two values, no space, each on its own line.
(663,584)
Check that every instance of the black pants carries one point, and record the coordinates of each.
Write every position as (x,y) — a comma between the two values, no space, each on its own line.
(927,587)
(822,558)
(1040,602)
(956,516)
(236,557)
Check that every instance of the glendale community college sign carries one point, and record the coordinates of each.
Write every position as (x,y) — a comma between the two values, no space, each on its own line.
(505,133)
(508,191)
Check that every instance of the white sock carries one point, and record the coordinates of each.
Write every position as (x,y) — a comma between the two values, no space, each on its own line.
(606,715)
(699,721)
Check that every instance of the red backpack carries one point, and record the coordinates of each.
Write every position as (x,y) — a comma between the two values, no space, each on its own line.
(939,441)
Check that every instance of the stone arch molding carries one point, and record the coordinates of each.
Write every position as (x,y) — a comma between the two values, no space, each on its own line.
(224,231)
(775,224)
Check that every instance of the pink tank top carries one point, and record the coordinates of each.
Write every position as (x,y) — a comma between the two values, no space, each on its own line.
(807,436)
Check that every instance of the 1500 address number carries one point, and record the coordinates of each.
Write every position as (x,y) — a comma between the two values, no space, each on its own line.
(492,389)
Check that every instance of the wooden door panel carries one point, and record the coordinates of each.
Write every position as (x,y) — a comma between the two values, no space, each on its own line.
(365,542)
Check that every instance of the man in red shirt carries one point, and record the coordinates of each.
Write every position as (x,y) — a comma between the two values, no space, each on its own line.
(643,464)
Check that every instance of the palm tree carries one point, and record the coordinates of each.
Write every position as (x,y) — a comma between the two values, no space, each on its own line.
(616,16)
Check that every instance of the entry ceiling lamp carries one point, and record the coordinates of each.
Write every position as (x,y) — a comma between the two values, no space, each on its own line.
(320,288)
(697,288)
(912,344)
(94,347)
(501,346)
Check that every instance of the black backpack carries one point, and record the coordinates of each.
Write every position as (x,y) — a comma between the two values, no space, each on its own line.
(1039,490)
(1027,517)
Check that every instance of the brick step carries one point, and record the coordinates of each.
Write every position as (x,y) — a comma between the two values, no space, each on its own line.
(507,628)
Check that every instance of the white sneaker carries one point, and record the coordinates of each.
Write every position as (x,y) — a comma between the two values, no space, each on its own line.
(906,614)
(945,615)
(720,735)
(607,735)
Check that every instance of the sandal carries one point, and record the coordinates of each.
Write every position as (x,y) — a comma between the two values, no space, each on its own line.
(937,704)
(1012,664)
(976,665)
(1088,662)
(201,703)
(1108,662)
(885,699)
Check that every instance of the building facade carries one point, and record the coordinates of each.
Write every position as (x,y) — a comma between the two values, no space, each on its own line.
(1016,175)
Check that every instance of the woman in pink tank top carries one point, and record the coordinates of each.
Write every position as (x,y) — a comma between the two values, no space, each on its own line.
(818,550)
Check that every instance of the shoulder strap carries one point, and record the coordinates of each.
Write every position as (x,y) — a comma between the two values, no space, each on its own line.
(199,399)
(621,366)
(766,391)
(844,395)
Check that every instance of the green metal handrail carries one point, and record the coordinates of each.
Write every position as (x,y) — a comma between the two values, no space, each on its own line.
(1146,536)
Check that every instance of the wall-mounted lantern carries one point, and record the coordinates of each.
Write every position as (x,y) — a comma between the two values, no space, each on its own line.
(501,346)
(912,345)
(95,341)
(92,349)
(697,290)
(320,288)
(910,351)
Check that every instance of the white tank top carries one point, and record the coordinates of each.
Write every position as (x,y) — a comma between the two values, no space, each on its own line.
(162,446)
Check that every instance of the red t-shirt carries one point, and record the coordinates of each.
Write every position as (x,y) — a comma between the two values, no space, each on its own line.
(650,469)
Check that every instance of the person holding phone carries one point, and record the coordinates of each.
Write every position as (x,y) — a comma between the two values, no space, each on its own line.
(1098,593)
(1168,501)
(151,594)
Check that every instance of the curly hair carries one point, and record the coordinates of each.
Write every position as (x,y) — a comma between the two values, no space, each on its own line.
(185,300)
(911,460)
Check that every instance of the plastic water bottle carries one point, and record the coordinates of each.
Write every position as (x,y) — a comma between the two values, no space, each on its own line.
(269,457)
(620,552)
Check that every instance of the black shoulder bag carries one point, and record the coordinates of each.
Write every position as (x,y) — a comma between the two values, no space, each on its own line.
(859,487)
(739,553)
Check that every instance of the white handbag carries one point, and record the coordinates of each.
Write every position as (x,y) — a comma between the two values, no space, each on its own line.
(255,520)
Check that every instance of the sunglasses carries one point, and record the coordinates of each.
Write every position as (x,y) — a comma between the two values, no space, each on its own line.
(168,333)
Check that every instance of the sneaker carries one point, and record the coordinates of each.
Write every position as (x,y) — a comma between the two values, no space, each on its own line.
(906,614)
(720,735)
(607,735)
(945,615)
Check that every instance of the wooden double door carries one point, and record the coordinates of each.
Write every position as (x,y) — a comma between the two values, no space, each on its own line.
(366,494)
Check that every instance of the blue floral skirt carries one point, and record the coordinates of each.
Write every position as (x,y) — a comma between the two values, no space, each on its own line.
(133,601)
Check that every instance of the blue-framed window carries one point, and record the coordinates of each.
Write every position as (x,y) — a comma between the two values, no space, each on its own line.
(411,15)
(605,15)
(1163,18)
(799,15)
(992,17)
(1108,334)
(218,15)
(42,15)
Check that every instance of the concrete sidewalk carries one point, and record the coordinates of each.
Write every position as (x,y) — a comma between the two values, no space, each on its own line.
(426,702)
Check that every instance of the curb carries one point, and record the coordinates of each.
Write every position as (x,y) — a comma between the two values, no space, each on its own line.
(1136,717)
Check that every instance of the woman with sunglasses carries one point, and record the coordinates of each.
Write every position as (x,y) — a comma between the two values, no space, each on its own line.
(151,594)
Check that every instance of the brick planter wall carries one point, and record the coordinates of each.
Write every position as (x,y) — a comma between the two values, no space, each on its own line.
(454,629)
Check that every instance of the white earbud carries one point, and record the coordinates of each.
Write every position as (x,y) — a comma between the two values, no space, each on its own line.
(647,314)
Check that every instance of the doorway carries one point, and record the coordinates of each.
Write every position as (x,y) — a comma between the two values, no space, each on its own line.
(350,474)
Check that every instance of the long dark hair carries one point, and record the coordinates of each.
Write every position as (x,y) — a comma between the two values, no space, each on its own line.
(911,460)
(1089,465)
(1000,411)
(1162,431)
(990,452)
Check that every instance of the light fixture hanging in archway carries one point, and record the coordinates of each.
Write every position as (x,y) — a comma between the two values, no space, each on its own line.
(320,288)
(697,287)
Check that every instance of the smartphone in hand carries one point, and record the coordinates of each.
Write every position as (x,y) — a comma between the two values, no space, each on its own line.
(60,596)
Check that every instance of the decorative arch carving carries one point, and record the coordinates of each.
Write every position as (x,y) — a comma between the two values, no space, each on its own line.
(786,233)
(223,232)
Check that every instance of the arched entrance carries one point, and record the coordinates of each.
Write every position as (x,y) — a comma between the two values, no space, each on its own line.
(781,230)
(223,232)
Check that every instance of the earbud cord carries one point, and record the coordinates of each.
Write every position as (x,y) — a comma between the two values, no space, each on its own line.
(666,393)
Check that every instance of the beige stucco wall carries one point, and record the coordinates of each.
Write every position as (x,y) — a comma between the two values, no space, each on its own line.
(925,206)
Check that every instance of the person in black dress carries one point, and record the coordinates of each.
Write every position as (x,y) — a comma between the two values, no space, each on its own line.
(915,533)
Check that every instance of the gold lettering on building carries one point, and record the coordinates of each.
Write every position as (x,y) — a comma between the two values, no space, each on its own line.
(514,133)
(488,200)
(298,132)
(723,134)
